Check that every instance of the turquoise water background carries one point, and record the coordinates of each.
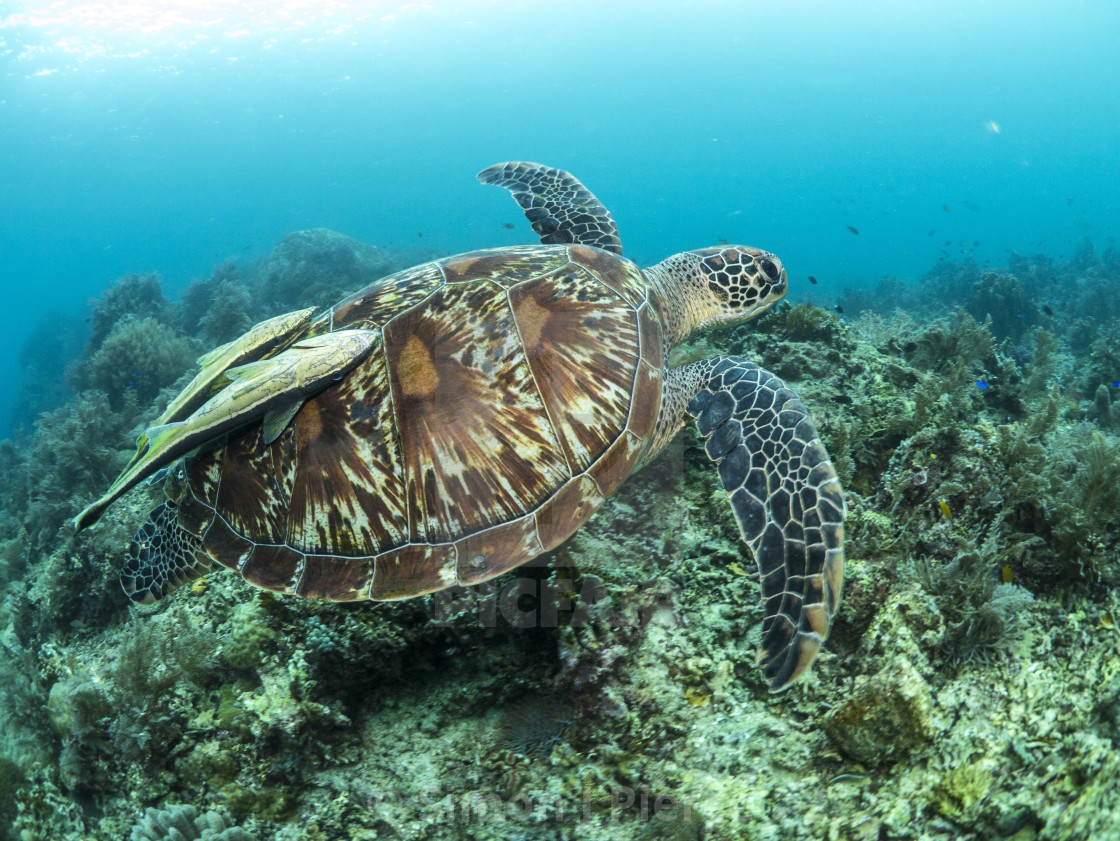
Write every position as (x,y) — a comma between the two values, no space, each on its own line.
(173,139)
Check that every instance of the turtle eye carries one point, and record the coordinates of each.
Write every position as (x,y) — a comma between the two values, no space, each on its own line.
(768,268)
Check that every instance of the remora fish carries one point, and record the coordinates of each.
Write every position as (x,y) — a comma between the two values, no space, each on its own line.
(274,389)
(259,341)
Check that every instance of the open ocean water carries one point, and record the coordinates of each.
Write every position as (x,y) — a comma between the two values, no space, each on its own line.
(169,136)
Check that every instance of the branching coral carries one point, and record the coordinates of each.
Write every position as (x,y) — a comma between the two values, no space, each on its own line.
(982,614)
(218,308)
(131,709)
(133,296)
(1002,299)
(75,452)
(140,356)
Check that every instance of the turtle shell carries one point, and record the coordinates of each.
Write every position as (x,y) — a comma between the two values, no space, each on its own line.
(513,391)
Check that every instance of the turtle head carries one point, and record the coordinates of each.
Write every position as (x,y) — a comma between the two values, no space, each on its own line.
(717,286)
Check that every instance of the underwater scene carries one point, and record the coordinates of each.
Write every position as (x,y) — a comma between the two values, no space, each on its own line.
(746,467)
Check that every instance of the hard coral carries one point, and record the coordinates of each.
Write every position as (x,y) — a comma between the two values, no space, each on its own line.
(183,823)
(316,267)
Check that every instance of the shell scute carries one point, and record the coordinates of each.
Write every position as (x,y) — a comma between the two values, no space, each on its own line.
(489,553)
(503,266)
(581,344)
(371,307)
(274,568)
(623,277)
(646,405)
(346,496)
(567,510)
(617,462)
(252,495)
(334,578)
(476,443)
(225,546)
(413,570)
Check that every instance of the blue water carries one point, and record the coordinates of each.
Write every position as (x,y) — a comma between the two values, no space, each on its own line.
(137,145)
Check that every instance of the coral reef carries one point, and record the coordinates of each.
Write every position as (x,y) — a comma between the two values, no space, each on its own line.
(138,358)
(969,689)
(218,308)
(1002,299)
(317,267)
(183,823)
(885,718)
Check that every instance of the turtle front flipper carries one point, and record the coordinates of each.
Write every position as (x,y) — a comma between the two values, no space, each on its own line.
(162,556)
(786,498)
(560,209)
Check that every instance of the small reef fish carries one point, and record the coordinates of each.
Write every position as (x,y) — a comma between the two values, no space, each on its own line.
(274,389)
(1007,573)
(944,506)
(812,280)
(1047,310)
(980,384)
(853,230)
(945,208)
(1116,384)
(509,226)
(839,309)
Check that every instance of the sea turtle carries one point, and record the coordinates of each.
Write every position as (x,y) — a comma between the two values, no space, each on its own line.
(505,395)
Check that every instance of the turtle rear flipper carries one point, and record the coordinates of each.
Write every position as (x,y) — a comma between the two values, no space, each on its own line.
(787,501)
(560,208)
(162,556)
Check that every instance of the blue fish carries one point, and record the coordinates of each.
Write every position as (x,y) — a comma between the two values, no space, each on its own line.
(981,384)
(1116,384)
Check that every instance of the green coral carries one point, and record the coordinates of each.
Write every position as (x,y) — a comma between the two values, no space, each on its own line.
(249,635)
(133,707)
(139,357)
(75,452)
(885,718)
(960,792)
(1105,411)
(11,780)
(1002,299)
(132,296)
(217,309)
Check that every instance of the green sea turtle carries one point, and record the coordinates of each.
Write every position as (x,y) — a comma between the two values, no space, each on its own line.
(506,394)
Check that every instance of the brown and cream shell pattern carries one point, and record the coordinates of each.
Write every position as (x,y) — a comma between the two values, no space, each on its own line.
(513,391)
